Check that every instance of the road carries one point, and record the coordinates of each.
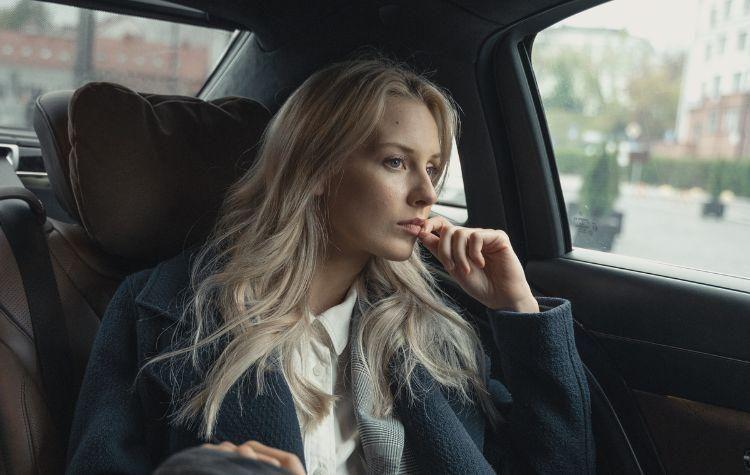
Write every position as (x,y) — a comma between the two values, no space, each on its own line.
(665,224)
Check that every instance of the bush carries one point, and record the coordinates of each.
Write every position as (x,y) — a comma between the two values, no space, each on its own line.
(571,161)
(683,173)
(712,175)
(601,185)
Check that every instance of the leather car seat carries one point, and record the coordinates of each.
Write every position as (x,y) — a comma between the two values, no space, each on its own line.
(87,272)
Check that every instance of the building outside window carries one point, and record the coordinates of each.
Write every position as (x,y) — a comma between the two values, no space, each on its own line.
(712,123)
(731,121)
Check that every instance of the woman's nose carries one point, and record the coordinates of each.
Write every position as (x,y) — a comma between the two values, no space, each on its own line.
(424,193)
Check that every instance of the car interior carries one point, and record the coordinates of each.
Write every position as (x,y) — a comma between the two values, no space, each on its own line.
(118,180)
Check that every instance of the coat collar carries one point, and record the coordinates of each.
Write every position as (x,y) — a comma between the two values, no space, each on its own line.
(446,436)
(166,285)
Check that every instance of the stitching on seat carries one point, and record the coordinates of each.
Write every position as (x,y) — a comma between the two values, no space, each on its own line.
(4,311)
(29,441)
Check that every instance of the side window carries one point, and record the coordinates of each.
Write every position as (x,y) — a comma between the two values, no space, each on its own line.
(451,198)
(45,47)
(650,126)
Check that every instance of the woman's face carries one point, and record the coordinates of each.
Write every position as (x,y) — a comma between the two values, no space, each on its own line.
(385,182)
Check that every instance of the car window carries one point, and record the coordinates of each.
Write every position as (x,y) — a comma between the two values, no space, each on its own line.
(45,47)
(451,198)
(649,121)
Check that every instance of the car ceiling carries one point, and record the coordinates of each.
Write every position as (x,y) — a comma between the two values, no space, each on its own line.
(277,22)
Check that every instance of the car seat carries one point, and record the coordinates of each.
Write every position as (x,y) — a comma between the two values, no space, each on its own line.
(89,258)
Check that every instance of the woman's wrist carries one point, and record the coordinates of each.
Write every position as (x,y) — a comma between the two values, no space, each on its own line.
(527,305)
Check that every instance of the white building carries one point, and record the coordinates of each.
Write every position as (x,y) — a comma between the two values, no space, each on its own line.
(713,100)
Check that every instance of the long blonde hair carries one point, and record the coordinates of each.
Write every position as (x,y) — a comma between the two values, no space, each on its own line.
(256,269)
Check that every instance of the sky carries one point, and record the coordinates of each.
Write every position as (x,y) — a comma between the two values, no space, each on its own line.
(667,24)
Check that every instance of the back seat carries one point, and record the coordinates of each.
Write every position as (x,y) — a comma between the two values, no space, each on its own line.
(87,270)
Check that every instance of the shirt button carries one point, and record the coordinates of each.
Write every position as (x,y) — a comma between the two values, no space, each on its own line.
(321,470)
(317,371)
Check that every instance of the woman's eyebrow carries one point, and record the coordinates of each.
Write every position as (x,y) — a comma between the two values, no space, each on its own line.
(402,147)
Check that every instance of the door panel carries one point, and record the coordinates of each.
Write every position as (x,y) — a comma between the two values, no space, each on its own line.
(679,425)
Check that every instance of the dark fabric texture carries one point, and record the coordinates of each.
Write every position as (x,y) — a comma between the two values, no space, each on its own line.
(122,427)
(205,461)
(138,161)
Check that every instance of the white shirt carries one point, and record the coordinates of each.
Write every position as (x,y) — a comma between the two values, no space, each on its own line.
(331,447)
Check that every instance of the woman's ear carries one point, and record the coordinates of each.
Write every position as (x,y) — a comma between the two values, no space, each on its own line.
(318,190)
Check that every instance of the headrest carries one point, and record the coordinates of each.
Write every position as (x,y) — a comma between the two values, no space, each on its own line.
(148,172)
(51,126)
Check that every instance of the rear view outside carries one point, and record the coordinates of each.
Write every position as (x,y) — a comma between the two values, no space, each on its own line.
(649,117)
(46,47)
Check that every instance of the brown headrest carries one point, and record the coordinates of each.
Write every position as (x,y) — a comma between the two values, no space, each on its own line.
(51,126)
(148,172)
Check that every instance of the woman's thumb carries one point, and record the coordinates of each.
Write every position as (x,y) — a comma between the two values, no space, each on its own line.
(430,241)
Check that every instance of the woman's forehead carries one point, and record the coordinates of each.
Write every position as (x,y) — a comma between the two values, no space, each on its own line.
(408,122)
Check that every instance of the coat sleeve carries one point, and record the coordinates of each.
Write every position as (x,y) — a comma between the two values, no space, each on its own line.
(108,432)
(547,426)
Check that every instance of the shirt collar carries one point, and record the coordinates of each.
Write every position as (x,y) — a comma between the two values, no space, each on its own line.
(336,320)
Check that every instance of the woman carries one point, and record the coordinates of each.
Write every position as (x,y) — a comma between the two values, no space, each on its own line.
(309,332)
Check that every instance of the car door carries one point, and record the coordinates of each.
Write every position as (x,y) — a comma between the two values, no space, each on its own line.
(667,303)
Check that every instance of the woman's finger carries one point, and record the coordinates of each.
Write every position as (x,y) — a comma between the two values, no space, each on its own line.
(475,249)
(226,446)
(444,249)
(247,451)
(429,241)
(458,250)
(288,460)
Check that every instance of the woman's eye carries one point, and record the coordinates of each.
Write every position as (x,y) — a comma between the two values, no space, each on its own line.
(431,171)
(395,159)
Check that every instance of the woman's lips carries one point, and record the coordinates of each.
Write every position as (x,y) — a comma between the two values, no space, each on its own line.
(417,221)
(412,229)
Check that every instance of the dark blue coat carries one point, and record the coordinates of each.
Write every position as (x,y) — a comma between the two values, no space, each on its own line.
(121,424)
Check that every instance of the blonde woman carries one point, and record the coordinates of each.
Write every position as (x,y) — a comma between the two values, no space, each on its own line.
(309,334)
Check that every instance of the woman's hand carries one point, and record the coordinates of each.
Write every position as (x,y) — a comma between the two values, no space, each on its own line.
(483,263)
(255,450)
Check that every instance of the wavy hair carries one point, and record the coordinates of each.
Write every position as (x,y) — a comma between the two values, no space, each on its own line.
(250,281)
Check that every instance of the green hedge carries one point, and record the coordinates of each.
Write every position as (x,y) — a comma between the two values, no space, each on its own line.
(681,173)
(689,173)
(572,161)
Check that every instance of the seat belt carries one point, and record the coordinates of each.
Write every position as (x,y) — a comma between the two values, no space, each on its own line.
(22,219)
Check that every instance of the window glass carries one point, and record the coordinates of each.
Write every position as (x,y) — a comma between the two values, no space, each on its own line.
(46,47)
(452,200)
(651,134)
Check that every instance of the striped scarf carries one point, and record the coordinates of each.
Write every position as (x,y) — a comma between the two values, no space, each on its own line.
(382,439)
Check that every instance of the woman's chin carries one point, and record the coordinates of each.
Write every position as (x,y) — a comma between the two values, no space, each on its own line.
(402,253)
